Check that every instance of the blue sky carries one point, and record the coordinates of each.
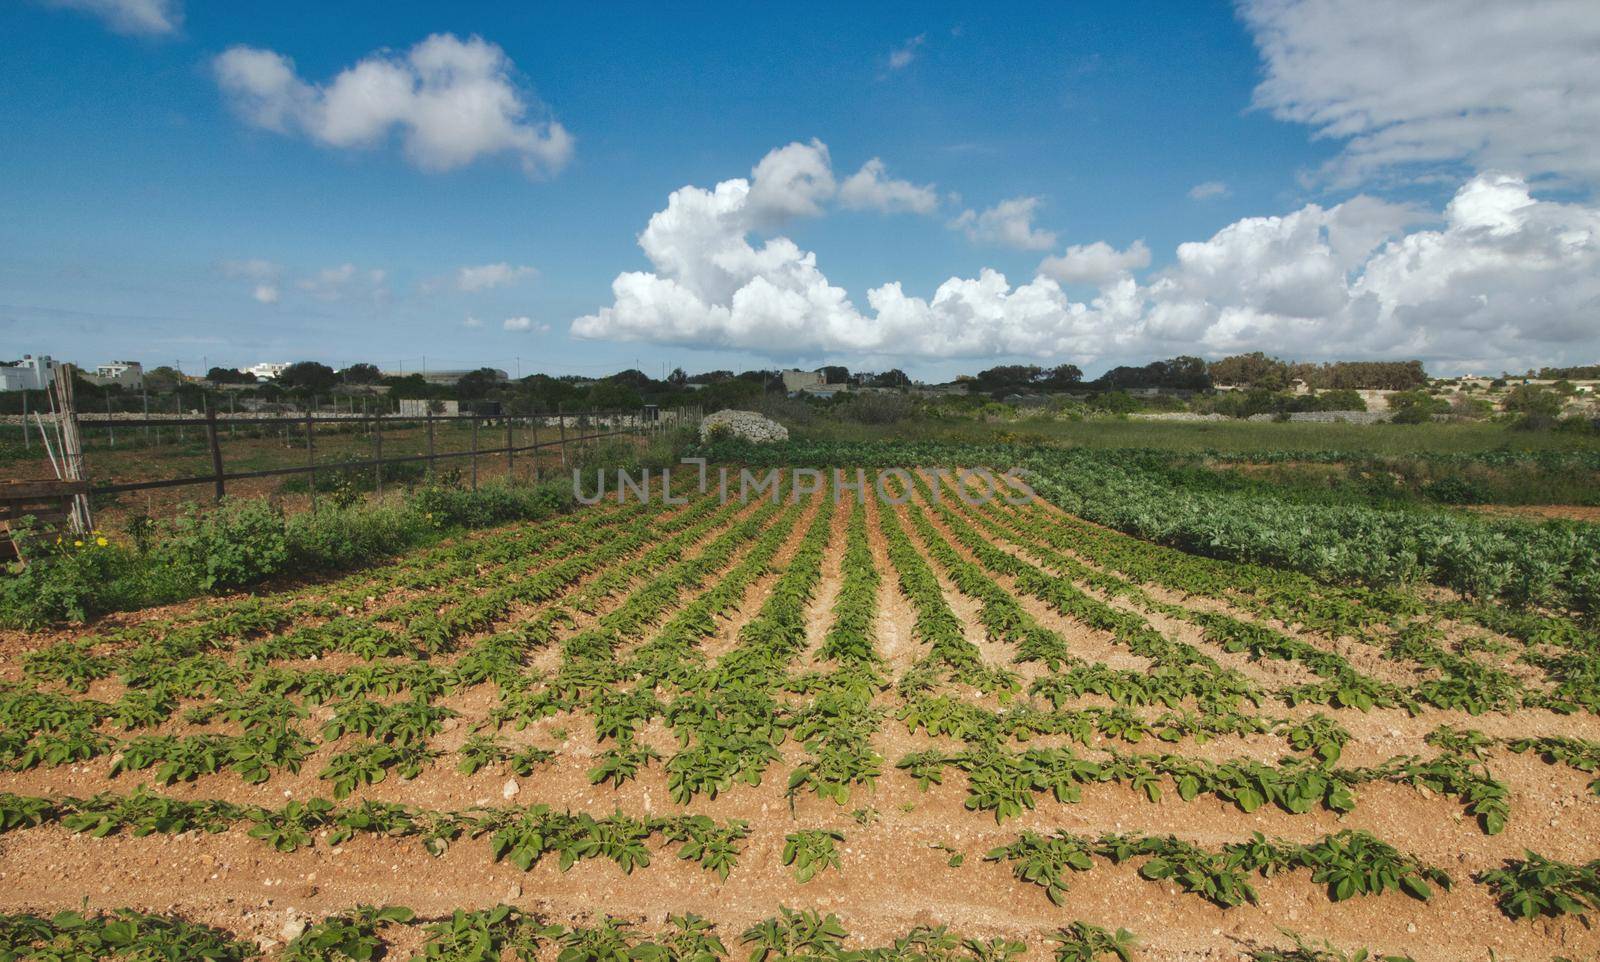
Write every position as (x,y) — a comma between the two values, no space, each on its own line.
(146,212)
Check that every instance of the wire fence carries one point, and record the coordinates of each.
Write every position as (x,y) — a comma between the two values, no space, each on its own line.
(334,444)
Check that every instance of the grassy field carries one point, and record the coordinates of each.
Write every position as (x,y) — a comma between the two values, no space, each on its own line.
(800,729)
(1233,437)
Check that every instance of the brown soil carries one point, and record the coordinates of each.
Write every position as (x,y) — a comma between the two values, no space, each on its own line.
(891,877)
(1542,512)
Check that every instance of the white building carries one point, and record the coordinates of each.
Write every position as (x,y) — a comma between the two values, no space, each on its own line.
(128,374)
(267,370)
(29,374)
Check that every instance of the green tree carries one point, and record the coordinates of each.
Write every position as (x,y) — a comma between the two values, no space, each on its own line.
(1060,377)
(1253,370)
(1537,407)
(361,374)
(612,395)
(159,380)
(894,377)
(477,384)
(308,377)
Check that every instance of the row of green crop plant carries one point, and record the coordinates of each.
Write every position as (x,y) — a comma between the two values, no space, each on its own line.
(1348,863)
(1460,682)
(522,835)
(1457,680)
(838,720)
(1553,564)
(506,932)
(1007,783)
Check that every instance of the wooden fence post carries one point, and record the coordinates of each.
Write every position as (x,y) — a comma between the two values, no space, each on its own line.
(561,419)
(510,455)
(474,450)
(311,460)
(377,451)
(216,448)
(430,442)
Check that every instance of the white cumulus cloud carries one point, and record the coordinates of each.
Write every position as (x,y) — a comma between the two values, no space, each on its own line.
(452,101)
(141,17)
(486,276)
(522,324)
(1483,83)
(266,293)
(1208,190)
(1006,224)
(1098,263)
(869,189)
(791,181)
(1497,278)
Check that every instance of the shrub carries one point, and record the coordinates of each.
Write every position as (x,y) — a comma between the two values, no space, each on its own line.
(1457,490)
(238,543)
(63,578)
(490,504)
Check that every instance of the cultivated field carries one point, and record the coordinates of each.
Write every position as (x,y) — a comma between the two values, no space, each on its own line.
(935,729)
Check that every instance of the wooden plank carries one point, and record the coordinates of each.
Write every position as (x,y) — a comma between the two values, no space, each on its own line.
(53,514)
(13,490)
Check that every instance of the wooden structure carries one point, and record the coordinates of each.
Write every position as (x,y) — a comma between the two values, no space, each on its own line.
(49,503)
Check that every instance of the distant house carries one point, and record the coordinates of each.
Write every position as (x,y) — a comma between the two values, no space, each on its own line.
(29,374)
(128,374)
(267,370)
(811,382)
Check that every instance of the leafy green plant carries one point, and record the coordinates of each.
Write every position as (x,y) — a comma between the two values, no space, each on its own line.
(351,936)
(1083,942)
(810,851)
(806,934)
(1534,885)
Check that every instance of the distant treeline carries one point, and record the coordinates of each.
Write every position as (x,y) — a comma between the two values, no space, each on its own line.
(1589,372)
(1258,370)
